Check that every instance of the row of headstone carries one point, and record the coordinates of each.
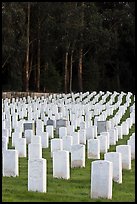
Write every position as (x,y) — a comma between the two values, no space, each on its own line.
(104,172)
(131,142)
(41,129)
(68,141)
(29,134)
(36,106)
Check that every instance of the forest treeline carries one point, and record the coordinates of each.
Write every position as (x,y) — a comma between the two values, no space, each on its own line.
(68,46)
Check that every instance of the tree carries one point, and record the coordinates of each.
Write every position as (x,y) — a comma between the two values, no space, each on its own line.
(87,45)
(13,44)
(50,79)
(26,67)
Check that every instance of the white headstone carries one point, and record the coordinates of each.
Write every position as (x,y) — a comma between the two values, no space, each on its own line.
(116,159)
(15,136)
(56,144)
(67,142)
(82,136)
(61,167)
(125,128)
(125,150)
(62,132)
(101,179)
(20,146)
(28,134)
(93,149)
(106,134)
(132,137)
(103,143)
(70,129)
(34,151)
(10,163)
(5,133)
(4,144)
(89,123)
(82,125)
(108,125)
(95,131)
(75,136)
(37,175)
(116,132)
(130,122)
(8,126)
(44,139)
(14,120)
(112,137)
(36,139)
(50,130)
(74,123)
(120,133)
(39,127)
(131,142)
(77,155)
(90,133)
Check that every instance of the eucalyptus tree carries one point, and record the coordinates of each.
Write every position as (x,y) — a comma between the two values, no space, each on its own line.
(13,44)
(118,21)
(68,46)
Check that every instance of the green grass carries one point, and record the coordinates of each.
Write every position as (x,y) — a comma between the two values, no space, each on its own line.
(76,189)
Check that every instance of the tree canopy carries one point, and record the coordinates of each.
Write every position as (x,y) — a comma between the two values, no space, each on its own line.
(68,46)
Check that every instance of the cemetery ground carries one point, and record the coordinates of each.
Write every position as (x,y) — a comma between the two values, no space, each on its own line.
(75,189)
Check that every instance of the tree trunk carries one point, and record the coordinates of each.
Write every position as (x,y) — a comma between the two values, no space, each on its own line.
(71,66)
(26,81)
(66,71)
(38,68)
(23,76)
(38,56)
(31,62)
(35,77)
(80,70)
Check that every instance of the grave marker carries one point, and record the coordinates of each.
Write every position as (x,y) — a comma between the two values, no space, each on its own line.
(116,159)
(61,168)
(101,179)
(37,175)
(125,150)
(10,163)
(77,155)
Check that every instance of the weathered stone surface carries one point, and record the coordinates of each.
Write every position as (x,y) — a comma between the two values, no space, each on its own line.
(21,147)
(77,155)
(93,149)
(10,163)
(116,159)
(61,167)
(37,175)
(125,150)
(34,151)
(101,179)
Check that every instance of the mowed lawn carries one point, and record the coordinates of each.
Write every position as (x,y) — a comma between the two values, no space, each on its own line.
(76,189)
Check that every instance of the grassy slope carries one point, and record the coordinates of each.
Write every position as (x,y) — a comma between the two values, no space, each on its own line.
(76,189)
